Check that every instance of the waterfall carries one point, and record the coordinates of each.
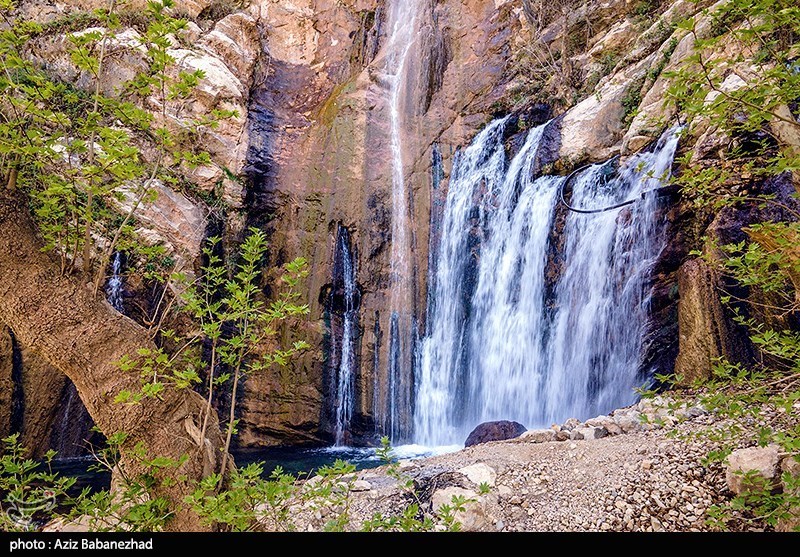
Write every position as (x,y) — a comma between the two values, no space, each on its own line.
(528,321)
(345,376)
(115,287)
(392,413)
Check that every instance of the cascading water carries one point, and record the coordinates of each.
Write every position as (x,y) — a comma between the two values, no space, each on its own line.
(510,334)
(72,425)
(346,370)
(115,285)
(392,413)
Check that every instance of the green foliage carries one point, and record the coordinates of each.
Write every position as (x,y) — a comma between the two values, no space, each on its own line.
(76,152)
(132,504)
(251,502)
(245,335)
(761,501)
(655,71)
(753,110)
(248,498)
(411,519)
(29,494)
(632,99)
(645,8)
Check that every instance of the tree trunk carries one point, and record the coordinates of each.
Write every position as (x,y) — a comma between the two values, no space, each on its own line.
(64,322)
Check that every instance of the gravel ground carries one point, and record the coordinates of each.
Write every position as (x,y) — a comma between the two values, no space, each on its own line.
(648,478)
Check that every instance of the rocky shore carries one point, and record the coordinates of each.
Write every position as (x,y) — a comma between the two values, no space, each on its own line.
(643,468)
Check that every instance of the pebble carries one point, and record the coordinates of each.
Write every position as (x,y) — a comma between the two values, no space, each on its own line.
(664,488)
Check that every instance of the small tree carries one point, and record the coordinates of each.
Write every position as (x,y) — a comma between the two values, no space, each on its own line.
(757,109)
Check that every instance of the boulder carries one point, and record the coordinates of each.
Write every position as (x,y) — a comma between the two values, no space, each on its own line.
(589,433)
(600,421)
(480,473)
(473,518)
(628,422)
(361,485)
(571,424)
(494,431)
(539,435)
(753,469)
(593,128)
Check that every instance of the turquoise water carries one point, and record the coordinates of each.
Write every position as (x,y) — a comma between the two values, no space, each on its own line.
(293,460)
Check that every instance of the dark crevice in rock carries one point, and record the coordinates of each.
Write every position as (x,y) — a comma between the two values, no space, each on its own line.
(18,394)
(72,432)
(366,40)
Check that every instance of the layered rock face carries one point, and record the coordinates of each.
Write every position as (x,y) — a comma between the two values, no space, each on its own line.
(310,153)
(320,156)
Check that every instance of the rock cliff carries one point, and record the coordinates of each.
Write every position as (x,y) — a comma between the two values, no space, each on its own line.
(309,151)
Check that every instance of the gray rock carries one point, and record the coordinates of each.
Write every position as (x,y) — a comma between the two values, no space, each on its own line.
(480,473)
(571,424)
(753,469)
(629,422)
(472,518)
(599,421)
(539,435)
(695,411)
(361,485)
(591,432)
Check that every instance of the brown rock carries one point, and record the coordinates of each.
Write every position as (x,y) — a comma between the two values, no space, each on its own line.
(33,403)
(589,433)
(562,435)
(44,391)
(319,155)
(705,331)
(494,431)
